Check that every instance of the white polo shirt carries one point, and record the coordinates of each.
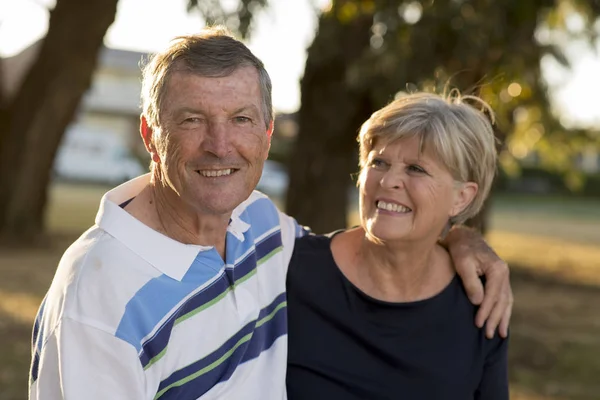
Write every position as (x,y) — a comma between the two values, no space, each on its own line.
(133,314)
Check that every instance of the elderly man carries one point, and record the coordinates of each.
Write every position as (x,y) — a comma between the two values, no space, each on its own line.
(178,291)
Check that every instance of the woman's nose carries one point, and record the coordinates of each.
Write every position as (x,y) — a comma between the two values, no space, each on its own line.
(393,179)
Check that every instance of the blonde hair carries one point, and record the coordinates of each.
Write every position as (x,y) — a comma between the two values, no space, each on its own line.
(457,133)
(213,52)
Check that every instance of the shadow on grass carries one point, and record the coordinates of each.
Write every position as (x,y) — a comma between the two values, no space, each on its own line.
(27,271)
(555,337)
(14,358)
(555,330)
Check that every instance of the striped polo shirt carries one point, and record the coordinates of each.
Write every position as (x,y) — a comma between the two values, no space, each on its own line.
(133,314)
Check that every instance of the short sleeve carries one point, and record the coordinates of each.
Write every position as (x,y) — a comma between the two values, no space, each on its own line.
(78,361)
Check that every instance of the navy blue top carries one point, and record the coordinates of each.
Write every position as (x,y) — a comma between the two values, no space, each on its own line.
(344,344)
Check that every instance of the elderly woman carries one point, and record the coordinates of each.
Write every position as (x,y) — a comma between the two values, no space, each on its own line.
(377,312)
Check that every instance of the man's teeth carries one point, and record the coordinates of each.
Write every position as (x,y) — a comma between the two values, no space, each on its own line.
(216,172)
(382,205)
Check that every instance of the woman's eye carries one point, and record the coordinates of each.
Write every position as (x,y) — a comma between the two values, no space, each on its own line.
(416,168)
(377,163)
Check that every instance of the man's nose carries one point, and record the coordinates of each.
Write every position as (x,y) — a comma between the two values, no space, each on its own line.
(217,140)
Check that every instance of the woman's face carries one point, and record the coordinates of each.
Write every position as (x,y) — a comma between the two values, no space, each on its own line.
(408,195)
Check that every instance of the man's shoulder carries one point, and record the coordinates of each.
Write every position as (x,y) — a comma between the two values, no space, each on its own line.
(77,253)
(95,279)
(101,258)
(93,247)
(258,199)
(259,209)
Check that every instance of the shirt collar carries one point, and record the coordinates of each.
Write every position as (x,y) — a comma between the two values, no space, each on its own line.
(169,256)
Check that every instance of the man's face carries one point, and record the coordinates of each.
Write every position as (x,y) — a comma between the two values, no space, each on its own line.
(213,139)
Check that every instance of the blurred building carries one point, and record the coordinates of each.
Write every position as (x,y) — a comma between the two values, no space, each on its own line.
(111,103)
(106,124)
(588,160)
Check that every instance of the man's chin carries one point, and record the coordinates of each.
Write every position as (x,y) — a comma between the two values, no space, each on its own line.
(222,206)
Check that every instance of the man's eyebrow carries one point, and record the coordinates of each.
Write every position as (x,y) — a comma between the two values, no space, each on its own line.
(250,107)
(187,110)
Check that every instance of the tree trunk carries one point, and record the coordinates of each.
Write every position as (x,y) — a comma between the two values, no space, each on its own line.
(481,221)
(324,155)
(3,110)
(43,107)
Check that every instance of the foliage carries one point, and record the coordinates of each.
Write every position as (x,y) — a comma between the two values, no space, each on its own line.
(237,18)
(490,48)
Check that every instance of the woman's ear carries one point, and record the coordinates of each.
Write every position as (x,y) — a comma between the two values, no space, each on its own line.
(463,196)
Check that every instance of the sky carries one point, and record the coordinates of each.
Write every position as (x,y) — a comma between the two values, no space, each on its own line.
(280,38)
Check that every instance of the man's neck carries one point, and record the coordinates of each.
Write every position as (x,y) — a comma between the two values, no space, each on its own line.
(158,207)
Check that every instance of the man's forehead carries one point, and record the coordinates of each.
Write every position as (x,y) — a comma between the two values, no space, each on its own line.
(245,73)
(242,88)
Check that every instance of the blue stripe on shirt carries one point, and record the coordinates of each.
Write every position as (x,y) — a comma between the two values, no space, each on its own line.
(160,295)
(248,343)
(266,246)
(154,346)
(262,215)
(157,298)
(37,340)
(158,342)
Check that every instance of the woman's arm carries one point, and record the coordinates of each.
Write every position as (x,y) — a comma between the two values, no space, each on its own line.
(494,381)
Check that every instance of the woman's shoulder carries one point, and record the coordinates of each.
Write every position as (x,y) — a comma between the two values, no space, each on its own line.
(313,242)
(313,251)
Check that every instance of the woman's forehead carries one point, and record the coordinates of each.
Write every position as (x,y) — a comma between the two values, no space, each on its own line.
(411,144)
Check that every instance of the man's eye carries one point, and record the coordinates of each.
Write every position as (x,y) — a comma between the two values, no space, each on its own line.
(242,119)
(192,120)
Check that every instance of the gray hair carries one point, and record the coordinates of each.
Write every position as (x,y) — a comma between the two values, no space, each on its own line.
(213,52)
(457,133)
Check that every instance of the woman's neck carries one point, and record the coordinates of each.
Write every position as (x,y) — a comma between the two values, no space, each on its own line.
(398,272)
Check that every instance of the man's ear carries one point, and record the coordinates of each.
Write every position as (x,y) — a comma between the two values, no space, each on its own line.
(147,133)
(463,196)
(270,130)
(269,135)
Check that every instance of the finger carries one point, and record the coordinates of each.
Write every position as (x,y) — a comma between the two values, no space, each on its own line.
(507,314)
(496,277)
(471,282)
(496,316)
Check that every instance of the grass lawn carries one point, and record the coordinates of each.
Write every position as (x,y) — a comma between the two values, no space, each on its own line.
(551,245)
(574,220)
